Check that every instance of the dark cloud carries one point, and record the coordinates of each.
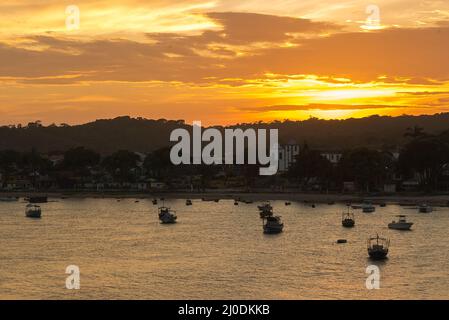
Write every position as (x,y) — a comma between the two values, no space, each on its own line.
(416,54)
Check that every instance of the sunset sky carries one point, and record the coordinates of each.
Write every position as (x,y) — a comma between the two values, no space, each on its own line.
(222,61)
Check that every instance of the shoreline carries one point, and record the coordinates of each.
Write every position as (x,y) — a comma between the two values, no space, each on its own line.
(398,198)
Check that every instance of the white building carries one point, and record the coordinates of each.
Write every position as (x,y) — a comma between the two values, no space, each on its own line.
(332,157)
(287,156)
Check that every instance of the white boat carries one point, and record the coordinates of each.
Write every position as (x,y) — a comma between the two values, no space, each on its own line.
(273,225)
(401,224)
(167,216)
(424,208)
(368,208)
(33,211)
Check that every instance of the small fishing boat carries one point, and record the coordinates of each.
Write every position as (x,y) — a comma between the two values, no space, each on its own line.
(167,216)
(288,203)
(188,202)
(368,207)
(273,225)
(33,211)
(401,224)
(236,203)
(378,247)
(348,220)
(154,201)
(425,208)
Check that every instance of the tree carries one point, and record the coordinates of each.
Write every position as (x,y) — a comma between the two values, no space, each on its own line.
(368,168)
(32,161)
(158,162)
(9,158)
(80,158)
(121,164)
(427,157)
(310,164)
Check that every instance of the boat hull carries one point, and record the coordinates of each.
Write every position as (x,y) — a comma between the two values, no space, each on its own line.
(34,215)
(378,254)
(400,226)
(272,230)
(348,223)
(168,221)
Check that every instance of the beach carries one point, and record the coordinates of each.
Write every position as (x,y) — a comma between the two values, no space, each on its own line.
(439,199)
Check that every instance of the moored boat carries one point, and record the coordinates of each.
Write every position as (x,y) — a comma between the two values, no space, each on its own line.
(378,247)
(401,224)
(348,220)
(33,211)
(273,225)
(167,216)
(425,208)
(368,207)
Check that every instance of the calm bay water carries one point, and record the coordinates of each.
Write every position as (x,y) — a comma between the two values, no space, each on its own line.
(216,251)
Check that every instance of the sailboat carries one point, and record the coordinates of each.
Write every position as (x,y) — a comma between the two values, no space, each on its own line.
(378,247)
(347,219)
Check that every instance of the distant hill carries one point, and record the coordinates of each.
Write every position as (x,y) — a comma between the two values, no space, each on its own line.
(144,135)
